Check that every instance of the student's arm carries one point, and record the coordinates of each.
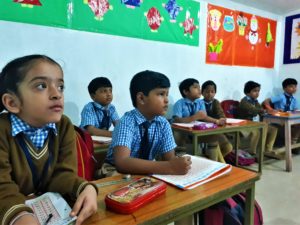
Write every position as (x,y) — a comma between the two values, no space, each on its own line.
(200,115)
(24,218)
(125,164)
(267,104)
(98,132)
(249,109)
(115,122)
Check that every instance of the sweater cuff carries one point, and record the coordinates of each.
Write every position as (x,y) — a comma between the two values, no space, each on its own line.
(83,185)
(13,211)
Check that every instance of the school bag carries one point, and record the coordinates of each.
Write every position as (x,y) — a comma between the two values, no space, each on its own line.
(86,162)
(244,158)
(230,108)
(229,212)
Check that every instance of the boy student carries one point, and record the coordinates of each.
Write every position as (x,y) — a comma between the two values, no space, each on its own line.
(250,109)
(143,134)
(37,142)
(191,108)
(97,116)
(214,110)
(285,102)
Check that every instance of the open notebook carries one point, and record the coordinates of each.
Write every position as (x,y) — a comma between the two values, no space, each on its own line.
(203,170)
(101,139)
(232,121)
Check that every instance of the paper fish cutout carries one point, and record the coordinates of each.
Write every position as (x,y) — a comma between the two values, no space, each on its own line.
(99,8)
(131,3)
(154,19)
(173,9)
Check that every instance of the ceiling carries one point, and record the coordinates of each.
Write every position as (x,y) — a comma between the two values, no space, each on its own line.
(280,7)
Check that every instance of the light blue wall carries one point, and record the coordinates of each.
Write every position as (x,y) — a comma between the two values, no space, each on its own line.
(288,70)
(86,55)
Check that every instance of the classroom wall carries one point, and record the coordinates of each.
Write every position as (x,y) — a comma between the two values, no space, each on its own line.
(85,55)
(288,70)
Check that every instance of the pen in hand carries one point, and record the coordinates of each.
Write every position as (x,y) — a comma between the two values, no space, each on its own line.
(48,219)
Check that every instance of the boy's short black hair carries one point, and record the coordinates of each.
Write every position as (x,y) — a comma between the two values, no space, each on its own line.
(186,84)
(250,85)
(145,81)
(208,83)
(98,82)
(289,81)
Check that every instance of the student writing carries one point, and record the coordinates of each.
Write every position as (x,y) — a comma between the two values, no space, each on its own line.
(143,134)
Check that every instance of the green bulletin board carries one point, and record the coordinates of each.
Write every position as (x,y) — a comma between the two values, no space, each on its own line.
(175,21)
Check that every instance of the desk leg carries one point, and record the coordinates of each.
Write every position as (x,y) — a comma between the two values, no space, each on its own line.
(236,147)
(195,144)
(288,146)
(249,213)
(262,147)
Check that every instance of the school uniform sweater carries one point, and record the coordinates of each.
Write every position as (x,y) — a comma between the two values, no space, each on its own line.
(16,177)
(248,109)
(214,110)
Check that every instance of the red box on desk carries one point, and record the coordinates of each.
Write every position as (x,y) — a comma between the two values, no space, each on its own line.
(133,196)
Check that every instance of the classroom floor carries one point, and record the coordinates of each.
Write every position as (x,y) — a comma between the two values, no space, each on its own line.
(278,192)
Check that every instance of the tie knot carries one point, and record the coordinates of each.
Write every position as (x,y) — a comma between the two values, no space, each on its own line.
(146,125)
(104,111)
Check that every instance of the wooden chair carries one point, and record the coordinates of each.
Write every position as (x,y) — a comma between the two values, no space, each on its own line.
(230,108)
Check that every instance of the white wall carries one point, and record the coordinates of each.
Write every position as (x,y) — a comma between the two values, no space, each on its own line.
(289,70)
(86,55)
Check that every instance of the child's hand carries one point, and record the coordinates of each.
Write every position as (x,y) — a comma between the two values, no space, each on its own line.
(200,115)
(26,219)
(85,205)
(221,121)
(180,165)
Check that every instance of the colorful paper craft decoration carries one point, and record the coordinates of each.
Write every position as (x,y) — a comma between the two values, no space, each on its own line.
(239,38)
(99,8)
(154,19)
(292,40)
(173,9)
(131,3)
(167,18)
(29,2)
(189,25)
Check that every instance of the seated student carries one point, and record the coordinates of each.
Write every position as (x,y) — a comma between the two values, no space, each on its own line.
(191,108)
(97,116)
(214,110)
(285,102)
(143,134)
(35,132)
(250,109)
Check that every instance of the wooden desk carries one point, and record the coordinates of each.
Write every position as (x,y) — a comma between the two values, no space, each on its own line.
(176,203)
(287,120)
(249,125)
